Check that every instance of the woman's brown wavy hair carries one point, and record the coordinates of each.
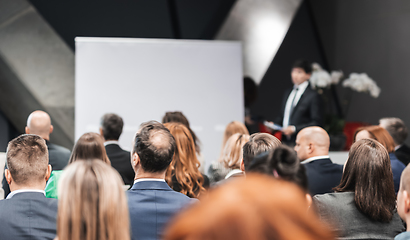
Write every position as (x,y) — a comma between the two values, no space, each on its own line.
(185,164)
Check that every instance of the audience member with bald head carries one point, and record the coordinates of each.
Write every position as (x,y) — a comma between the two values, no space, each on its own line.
(403,202)
(27,213)
(39,123)
(152,203)
(312,147)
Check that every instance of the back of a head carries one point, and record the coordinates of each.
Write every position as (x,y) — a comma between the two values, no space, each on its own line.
(405,180)
(92,203)
(249,208)
(368,164)
(27,159)
(379,134)
(111,125)
(257,144)
(179,117)
(184,166)
(281,162)
(232,154)
(314,138)
(396,128)
(39,123)
(305,65)
(155,146)
(231,129)
(89,146)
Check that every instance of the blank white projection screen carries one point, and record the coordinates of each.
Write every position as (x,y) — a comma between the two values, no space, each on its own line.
(141,79)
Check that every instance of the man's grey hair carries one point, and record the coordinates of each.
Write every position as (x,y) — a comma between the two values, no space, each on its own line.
(396,128)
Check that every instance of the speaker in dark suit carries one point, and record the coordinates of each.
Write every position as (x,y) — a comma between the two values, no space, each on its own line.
(121,161)
(301,105)
(27,213)
(307,111)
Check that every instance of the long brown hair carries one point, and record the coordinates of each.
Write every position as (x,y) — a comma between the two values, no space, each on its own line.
(379,134)
(249,208)
(89,146)
(185,164)
(92,204)
(368,174)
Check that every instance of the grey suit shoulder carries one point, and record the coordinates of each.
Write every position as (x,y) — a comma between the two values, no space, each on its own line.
(340,211)
(28,216)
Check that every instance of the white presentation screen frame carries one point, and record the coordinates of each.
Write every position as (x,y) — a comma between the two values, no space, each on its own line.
(141,79)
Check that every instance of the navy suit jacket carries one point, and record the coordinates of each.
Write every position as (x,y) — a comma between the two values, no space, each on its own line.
(121,161)
(323,175)
(397,168)
(306,113)
(28,215)
(403,154)
(152,204)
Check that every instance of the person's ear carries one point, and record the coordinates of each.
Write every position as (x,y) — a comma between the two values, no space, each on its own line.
(8,176)
(308,199)
(242,166)
(101,132)
(135,160)
(27,130)
(51,129)
(406,199)
(311,148)
(49,169)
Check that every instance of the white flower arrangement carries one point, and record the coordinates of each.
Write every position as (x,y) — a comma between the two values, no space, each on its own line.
(358,82)
(321,78)
(362,83)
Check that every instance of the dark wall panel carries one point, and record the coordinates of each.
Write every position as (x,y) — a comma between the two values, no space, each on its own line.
(201,19)
(371,37)
(301,42)
(141,18)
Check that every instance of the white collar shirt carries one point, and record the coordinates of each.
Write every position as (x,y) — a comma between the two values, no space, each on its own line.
(23,191)
(301,89)
(315,158)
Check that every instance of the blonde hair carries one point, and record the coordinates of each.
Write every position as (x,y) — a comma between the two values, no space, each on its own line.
(233,151)
(185,164)
(92,204)
(249,208)
(231,129)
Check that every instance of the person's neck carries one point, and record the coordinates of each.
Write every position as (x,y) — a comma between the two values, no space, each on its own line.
(111,140)
(15,187)
(318,154)
(142,174)
(297,85)
(408,223)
